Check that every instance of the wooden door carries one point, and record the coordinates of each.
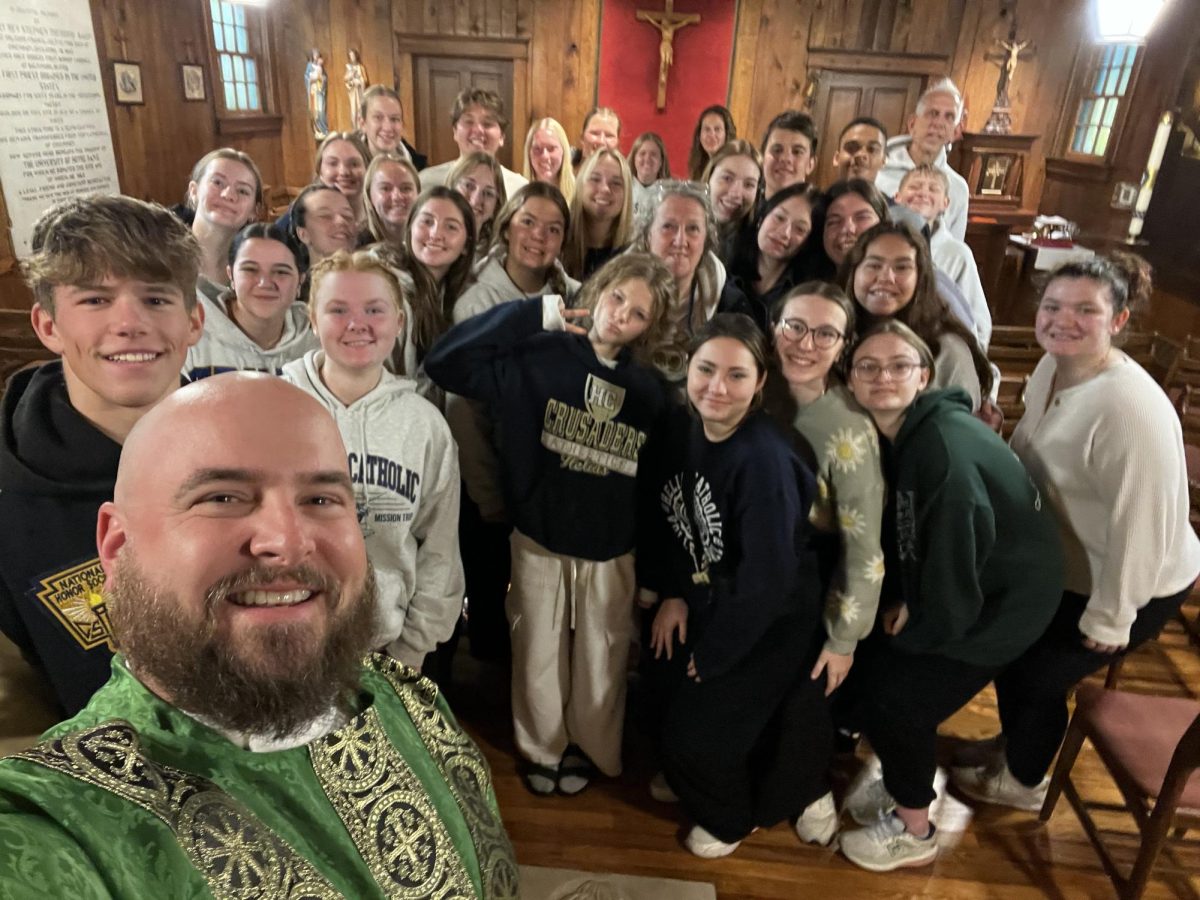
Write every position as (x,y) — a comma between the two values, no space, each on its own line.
(841,96)
(437,81)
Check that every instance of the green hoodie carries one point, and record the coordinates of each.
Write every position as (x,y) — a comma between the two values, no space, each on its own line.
(971,549)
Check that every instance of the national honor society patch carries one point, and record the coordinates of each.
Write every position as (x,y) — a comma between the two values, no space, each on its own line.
(75,598)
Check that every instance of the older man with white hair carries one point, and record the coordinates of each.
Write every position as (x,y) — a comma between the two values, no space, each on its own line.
(930,131)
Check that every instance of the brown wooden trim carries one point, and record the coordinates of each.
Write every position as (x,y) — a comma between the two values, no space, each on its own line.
(265,124)
(1069,169)
(485,48)
(858,61)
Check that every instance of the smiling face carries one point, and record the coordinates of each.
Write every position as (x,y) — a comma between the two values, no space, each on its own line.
(623,313)
(535,235)
(357,320)
(328,225)
(800,359)
(478,128)
(600,132)
(933,127)
(721,383)
(733,186)
(677,235)
(438,236)
(712,133)
(847,217)
(924,194)
(861,154)
(788,159)
(392,192)
(1075,319)
(647,163)
(479,187)
(887,374)
(122,342)
(784,229)
(225,194)
(235,554)
(342,167)
(265,280)
(545,156)
(603,193)
(383,126)
(886,279)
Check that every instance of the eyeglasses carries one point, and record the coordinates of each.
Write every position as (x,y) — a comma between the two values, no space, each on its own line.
(823,337)
(901,370)
(470,186)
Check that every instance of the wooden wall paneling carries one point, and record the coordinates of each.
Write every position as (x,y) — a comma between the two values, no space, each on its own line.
(745,55)
(564,48)
(780,62)
(299,27)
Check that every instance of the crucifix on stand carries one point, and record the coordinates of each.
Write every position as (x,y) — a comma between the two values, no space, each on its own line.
(1008,54)
(668,22)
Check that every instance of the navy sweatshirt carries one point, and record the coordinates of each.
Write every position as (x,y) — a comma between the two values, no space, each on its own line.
(56,468)
(570,429)
(725,526)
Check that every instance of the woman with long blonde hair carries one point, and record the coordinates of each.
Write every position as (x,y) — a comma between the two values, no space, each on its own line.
(601,213)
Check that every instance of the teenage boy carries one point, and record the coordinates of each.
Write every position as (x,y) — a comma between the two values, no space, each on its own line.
(114,284)
(479,124)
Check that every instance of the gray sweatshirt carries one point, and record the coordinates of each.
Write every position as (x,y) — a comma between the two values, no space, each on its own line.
(404,467)
(223,347)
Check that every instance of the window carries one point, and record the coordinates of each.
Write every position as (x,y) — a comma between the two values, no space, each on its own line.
(239,46)
(238,65)
(1107,78)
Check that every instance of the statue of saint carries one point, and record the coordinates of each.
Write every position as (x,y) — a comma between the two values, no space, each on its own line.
(316,81)
(356,84)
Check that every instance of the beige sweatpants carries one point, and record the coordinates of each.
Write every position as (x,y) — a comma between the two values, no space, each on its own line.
(571,622)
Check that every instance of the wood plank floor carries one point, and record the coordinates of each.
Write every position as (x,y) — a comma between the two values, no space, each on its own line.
(615,826)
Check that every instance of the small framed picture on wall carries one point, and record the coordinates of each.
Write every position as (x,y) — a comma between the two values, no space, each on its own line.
(193,82)
(127,79)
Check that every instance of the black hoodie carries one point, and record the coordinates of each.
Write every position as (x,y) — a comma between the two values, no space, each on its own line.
(56,469)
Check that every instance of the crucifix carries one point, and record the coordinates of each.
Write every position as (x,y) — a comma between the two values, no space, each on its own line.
(1010,52)
(668,22)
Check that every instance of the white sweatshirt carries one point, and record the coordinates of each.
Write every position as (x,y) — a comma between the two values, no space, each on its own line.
(898,162)
(223,347)
(954,257)
(1108,454)
(404,467)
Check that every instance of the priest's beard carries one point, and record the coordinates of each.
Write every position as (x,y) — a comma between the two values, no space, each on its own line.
(268,681)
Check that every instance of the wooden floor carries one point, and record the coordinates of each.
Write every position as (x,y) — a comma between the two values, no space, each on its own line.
(615,826)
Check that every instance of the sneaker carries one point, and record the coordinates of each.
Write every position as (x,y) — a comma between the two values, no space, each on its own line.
(888,845)
(996,784)
(819,822)
(661,791)
(867,799)
(702,843)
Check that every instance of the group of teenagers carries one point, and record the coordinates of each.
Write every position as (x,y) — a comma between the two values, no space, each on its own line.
(750,412)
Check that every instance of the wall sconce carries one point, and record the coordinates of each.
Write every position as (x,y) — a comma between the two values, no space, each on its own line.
(1126,21)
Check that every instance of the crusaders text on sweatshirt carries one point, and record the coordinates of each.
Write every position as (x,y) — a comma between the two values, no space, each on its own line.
(571,428)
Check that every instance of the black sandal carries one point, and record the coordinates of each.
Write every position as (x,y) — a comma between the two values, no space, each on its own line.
(575,765)
(541,781)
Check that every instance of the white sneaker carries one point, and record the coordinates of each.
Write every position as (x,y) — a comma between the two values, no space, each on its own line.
(867,799)
(661,791)
(888,845)
(701,843)
(996,784)
(819,822)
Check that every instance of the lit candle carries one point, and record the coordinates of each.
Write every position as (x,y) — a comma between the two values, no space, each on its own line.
(1157,150)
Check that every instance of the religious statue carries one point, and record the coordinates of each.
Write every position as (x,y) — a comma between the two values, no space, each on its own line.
(668,22)
(356,84)
(1000,121)
(316,82)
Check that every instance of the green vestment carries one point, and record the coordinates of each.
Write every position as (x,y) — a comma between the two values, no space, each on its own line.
(133,799)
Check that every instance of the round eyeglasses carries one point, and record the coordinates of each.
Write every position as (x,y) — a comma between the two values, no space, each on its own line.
(823,337)
(901,370)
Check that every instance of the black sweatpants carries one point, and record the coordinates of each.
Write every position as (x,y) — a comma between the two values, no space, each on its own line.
(1032,691)
(750,747)
(487,568)
(898,700)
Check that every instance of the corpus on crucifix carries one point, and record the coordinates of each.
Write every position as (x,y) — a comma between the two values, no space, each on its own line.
(1009,54)
(668,22)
